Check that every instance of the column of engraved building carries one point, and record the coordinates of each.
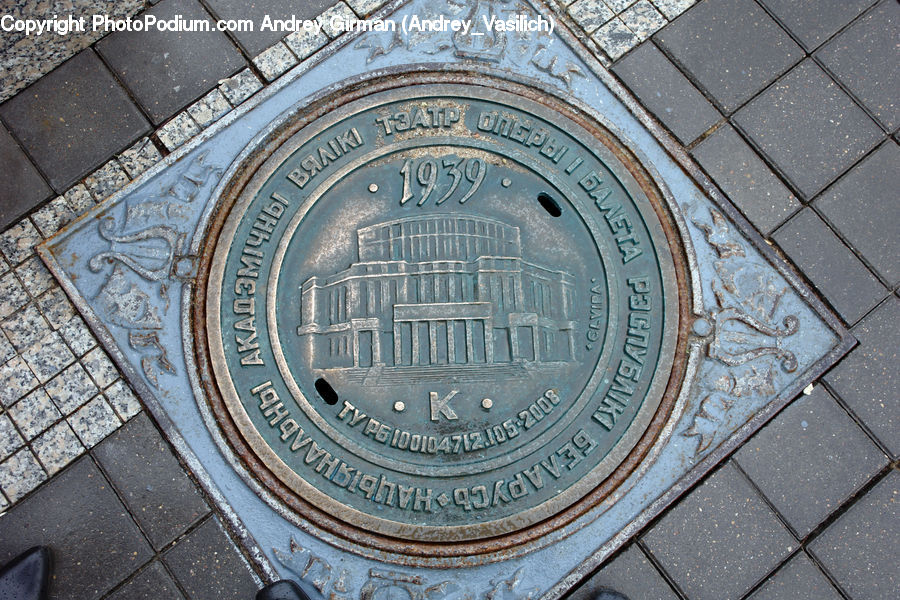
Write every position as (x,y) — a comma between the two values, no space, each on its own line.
(438,290)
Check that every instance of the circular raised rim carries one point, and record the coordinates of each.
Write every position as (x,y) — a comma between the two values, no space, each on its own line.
(421,550)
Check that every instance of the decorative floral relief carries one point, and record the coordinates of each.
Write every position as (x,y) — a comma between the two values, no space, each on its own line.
(479,42)
(746,333)
(143,247)
(390,585)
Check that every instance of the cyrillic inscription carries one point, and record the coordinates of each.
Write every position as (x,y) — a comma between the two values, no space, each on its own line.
(436,303)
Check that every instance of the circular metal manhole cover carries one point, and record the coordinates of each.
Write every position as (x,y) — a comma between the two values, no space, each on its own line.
(440,313)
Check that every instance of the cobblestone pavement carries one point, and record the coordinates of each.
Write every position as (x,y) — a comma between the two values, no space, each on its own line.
(791,107)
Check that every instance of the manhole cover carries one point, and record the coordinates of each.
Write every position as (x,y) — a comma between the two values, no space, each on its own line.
(442,316)
(441,313)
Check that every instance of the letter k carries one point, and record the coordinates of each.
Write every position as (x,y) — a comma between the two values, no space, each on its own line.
(442,406)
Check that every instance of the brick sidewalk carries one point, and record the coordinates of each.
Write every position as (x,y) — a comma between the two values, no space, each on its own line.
(791,107)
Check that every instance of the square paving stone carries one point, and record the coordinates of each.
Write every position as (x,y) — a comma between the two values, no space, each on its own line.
(95,543)
(153,583)
(630,573)
(731,48)
(254,42)
(814,21)
(746,179)
(720,540)
(864,206)
(861,549)
(844,280)
(666,93)
(166,71)
(74,119)
(868,379)
(21,188)
(809,128)
(208,565)
(162,498)
(799,579)
(866,58)
(810,460)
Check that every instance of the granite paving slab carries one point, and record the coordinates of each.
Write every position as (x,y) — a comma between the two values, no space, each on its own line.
(837,273)
(814,21)
(798,579)
(731,48)
(869,534)
(666,92)
(865,58)
(830,459)
(255,41)
(209,566)
(73,119)
(864,207)
(22,187)
(868,380)
(746,179)
(156,490)
(168,70)
(78,515)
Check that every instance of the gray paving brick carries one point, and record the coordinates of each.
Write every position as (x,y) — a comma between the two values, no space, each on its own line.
(166,71)
(864,206)
(630,573)
(254,42)
(814,21)
(809,128)
(745,178)
(95,543)
(868,380)
(208,566)
(731,48)
(666,92)
(721,539)
(21,187)
(153,485)
(866,58)
(810,460)
(152,583)
(72,120)
(799,579)
(861,549)
(844,280)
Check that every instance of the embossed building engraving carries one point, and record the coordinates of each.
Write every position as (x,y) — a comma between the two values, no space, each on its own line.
(437,295)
